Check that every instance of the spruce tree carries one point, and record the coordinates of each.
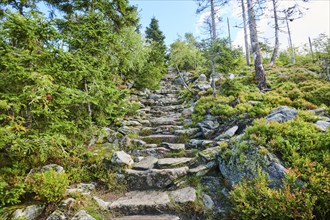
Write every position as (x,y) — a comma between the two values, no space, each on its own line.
(155,35)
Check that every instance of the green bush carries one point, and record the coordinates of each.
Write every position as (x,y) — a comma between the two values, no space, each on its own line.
(255,200)
(48,186)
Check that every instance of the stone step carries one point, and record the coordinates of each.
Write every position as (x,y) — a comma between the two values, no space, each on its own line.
(160,102)
(165,163)
(167,91)
(159,138)
(165,120)
(169,108)
(153,178)
(148,217)
(158,152)
(153,202)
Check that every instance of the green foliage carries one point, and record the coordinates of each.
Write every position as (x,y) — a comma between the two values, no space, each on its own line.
(225,58)
(255,200)
(11,194)
(48,186)
(184,54)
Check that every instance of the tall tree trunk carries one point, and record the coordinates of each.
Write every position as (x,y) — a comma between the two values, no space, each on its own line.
(293,58)
(213,81)
(214,31)
(247,50)
(277,42)
(311,48)
(229,32)
(260,71)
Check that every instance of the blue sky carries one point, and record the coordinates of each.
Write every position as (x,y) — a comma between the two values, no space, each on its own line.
(177,17)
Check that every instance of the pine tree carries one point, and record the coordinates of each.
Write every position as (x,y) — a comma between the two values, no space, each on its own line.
(154,34)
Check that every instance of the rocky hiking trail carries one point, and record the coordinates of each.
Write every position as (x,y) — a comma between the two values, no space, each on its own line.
(171,168)
(158,180)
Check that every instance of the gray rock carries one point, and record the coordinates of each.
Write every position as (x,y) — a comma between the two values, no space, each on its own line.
(231,131)
(231,76)
(203,169)
(165,121)
(141,201)
(282,114)
(246,164)
(195,143)
(188,111)
(210,153)
(67,202)
(190,132)
(57,215)
(208,202)
(138,143)
(201,78)
(102,204)
(154,178)
(203,87)
(122,158)
(173,162)
(55,167)
(82,215)
(86,187)
(184,195)
(322,125)
(148,217)
(29,213)
(152,152)
(146,163)
(160,138)
(174,147)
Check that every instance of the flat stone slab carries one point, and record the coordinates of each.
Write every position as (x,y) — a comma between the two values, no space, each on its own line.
(158,138)
(141,201)
(146,163)
(201,170)
(148,217)
(174,147)
(173,162)
(165,121)
(153,178)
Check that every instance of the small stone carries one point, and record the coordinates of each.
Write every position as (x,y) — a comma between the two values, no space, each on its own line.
(231,132)
(29,213)
(146,163)
(67,202)
(184,195)
(282,114)
(322,125)
(82,215)
(102,204)
(122,158)
(208,202)
(55,167)
(86,187)
(210,153)
(57,215)
(174,147)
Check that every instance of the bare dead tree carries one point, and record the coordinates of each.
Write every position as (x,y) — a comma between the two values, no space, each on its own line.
(246,42)
(259,69)
(277,28)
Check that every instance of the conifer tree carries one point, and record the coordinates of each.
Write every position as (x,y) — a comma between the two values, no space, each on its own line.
(154,34)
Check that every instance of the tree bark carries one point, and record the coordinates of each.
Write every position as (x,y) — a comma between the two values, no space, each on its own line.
(214,31)
(260,71)
(229,32)
(277,42)
(247,50)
